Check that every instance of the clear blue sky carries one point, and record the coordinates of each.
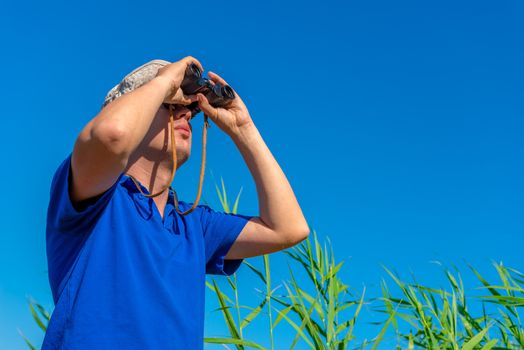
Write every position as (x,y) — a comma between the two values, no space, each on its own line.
(399,124)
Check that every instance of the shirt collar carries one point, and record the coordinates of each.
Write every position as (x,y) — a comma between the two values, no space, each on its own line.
(145,204)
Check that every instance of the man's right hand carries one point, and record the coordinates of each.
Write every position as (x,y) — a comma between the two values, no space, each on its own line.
(174,74)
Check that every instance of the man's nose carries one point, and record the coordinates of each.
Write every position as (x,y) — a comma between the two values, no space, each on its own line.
(185,113)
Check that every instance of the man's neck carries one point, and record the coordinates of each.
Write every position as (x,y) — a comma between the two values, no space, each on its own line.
(155,175)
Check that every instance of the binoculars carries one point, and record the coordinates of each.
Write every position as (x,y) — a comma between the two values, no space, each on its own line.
(217,94)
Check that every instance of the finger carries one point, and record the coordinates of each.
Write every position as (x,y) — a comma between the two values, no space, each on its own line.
(208,110)
(183,100)
(217,78)
(191,98)
(191,59)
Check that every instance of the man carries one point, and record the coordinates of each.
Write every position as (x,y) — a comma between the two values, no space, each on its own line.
(127,271)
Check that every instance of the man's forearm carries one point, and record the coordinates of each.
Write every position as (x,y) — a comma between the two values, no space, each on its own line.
(278,206)
(128,118)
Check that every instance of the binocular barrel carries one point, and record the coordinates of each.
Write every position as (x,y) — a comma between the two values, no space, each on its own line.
(217,94)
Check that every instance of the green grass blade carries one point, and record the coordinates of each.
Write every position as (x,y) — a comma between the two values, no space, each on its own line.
(379,337)
(28,343)
(473,342)
(235,205)
(221,198)
(233,341)
(42,311)
(224,195)
(210,286)
(297,328)
(256,271)
(349,333)
(37,318)
(247,320)
(489,345)
(331,310)
(267,271)
(227,315)
(300,309)
(281,315)
(312,301)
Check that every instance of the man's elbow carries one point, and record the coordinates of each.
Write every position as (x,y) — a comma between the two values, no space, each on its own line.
(299,236)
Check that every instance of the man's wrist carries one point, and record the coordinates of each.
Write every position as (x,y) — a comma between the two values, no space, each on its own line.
(245,133)
(166,84)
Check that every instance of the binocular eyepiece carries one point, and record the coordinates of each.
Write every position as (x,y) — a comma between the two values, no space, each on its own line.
(217,94)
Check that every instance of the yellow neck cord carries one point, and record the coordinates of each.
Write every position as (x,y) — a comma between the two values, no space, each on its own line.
(173,151)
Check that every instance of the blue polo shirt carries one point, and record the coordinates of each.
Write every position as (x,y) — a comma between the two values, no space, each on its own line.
(124,278)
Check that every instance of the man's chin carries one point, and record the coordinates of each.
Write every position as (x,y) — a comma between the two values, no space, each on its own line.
(182,157)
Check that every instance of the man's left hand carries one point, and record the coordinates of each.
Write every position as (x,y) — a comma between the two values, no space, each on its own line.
(231,119)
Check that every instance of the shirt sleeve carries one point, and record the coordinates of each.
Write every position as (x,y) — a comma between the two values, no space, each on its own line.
(69,226)
(63,215)
(220,232)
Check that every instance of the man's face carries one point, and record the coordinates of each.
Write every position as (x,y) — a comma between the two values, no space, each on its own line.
(183,131)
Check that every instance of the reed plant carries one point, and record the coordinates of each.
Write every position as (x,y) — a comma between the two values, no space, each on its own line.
(323,311)
(444,319)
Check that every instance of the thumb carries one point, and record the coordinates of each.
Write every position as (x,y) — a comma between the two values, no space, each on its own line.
(188,99)
(204,105)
